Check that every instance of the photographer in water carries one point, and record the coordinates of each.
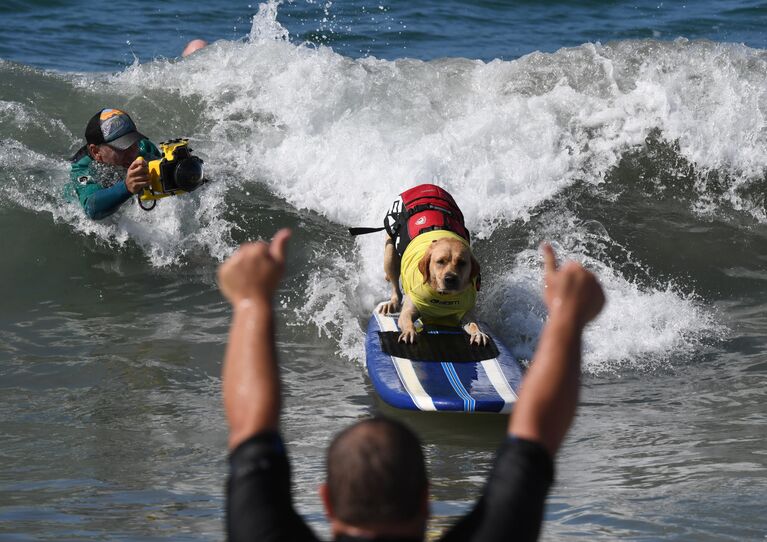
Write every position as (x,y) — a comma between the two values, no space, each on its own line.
(97,175)
(118,162)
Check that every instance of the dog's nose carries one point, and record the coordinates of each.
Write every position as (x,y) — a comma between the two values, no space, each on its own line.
(451,280)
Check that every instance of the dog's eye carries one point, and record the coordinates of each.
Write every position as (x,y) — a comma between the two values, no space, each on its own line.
(460,263)
(441,261)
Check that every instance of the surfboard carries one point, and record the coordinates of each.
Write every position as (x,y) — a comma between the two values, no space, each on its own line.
(441,371)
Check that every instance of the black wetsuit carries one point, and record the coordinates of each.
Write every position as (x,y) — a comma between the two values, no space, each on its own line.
(259,504)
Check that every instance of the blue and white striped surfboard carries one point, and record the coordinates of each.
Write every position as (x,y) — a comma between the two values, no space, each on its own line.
(431,378)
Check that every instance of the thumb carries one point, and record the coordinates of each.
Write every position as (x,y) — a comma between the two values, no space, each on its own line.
(278,245)
(549,259)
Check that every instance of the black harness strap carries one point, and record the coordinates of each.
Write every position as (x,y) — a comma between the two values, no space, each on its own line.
(363,231)
(428,207)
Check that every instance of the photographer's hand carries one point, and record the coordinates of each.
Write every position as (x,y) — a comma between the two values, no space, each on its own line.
(249,280)
(138,176)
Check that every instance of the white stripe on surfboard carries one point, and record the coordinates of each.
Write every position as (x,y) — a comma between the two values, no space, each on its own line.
(501,385)
(405,370)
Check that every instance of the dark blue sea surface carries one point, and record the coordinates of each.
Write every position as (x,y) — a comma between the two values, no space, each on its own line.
(84,35)
(631,135)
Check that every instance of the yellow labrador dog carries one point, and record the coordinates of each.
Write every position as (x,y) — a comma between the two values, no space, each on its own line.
(439,277)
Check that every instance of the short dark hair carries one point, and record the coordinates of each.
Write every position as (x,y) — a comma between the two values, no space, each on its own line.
(376,473)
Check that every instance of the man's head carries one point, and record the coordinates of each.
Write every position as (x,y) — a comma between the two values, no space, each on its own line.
(376,480)
(112,137)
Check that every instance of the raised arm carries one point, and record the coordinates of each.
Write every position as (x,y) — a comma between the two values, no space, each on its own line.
(549,393)
(249,279)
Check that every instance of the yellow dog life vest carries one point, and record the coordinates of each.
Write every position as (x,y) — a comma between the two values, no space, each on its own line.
(434,307)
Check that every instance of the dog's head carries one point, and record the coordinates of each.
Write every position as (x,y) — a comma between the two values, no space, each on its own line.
(448,266)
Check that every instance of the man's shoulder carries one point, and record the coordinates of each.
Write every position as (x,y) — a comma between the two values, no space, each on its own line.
(80,160)
(147,149)
(82,182)
(80,170)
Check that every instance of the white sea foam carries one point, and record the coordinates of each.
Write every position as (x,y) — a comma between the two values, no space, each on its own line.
(343,137)
(178,227)
(639,329)
(501,136)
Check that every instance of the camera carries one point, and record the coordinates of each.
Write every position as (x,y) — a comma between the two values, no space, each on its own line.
(177,172)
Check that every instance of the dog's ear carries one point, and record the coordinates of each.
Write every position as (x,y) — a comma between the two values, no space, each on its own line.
(424,266)
(474,268)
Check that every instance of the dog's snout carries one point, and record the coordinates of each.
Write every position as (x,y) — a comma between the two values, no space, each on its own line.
(451,279)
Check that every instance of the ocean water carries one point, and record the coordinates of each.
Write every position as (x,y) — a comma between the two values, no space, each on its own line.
(630,135)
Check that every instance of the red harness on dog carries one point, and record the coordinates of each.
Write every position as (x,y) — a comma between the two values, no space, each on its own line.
(423,208)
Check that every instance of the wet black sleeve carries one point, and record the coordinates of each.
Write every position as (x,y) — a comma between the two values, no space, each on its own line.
(511,507)
(258,501)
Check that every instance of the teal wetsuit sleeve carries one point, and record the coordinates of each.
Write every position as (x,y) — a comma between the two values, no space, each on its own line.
(102,203)
(97,202)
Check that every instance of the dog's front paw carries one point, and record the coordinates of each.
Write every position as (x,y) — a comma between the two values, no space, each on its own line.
(407,336)
(475,334)
(390,307)
(479,338)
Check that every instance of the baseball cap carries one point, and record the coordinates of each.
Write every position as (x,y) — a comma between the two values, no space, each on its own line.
(113,127)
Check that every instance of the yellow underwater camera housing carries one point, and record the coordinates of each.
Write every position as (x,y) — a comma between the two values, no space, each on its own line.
(177,172)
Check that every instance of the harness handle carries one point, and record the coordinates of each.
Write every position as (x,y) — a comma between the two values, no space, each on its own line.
(363,231)
(428,207)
